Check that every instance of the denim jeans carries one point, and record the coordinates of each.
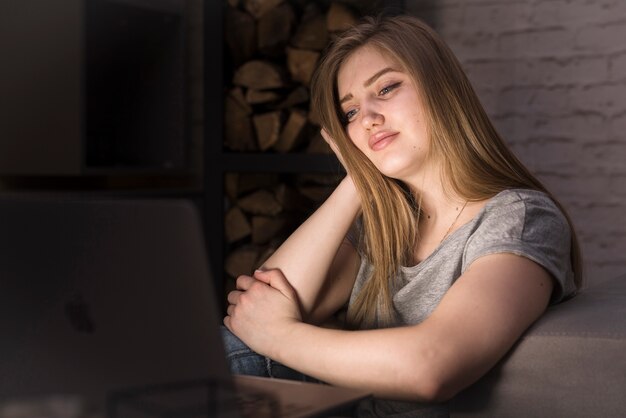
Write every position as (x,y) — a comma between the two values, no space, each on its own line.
(242,360)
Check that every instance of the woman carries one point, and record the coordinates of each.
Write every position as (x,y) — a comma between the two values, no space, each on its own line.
(443,245)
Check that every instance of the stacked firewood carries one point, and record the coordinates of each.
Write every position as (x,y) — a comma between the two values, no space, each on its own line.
(272,48)
(264,209)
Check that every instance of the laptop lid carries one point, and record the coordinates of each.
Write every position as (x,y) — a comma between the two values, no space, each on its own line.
(98,297)
(107,308)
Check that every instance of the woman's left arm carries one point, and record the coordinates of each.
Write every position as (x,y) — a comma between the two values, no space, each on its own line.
(477,322)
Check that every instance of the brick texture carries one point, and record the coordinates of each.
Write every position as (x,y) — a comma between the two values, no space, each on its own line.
(552,76)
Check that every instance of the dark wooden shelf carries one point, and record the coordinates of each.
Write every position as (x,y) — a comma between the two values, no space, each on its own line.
(218,162)
(273,163)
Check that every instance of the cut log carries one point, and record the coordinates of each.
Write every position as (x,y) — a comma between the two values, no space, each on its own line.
(273,47)
(259,75)
(311,33)
(301,64)
(267,127)
(260,202)
(290,199)
(298,96)
(261,96)
(236,225)
(316,193)
(231,185)
(339,18)
(236,94)
(317,145)
(249,182)
(274,29)
(242,260)
(238,130)
(314,117)
(258,8)
(292,132)
(265,228)
(319,179)
(240,35)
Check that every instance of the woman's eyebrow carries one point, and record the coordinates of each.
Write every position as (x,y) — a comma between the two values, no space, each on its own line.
(369,82)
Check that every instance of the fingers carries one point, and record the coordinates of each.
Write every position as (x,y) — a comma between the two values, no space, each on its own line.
(276,279)
(229,310)
(263,275)
(269,279)
(233,297)
(244,282)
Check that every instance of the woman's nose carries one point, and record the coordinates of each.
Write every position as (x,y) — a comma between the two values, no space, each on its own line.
(371,117)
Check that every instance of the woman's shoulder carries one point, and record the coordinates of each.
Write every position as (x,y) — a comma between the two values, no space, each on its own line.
(523,205)
(521,208)
(524,197)
(527,223)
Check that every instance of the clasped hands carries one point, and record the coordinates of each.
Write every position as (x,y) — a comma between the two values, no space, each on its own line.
(262,310)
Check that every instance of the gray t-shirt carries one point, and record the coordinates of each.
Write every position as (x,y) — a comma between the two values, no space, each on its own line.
(517,221)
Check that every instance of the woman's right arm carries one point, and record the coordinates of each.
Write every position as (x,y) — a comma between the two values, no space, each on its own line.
(317,260)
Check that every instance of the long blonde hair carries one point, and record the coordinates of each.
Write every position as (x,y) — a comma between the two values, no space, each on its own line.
(476,163)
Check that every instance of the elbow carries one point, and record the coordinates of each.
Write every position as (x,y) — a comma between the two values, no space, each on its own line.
(432,382)
(432,390)
(439,392)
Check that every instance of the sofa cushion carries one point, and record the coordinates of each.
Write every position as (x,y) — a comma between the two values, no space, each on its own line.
(570,363)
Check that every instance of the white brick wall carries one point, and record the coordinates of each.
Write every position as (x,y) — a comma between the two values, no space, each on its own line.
(552,75)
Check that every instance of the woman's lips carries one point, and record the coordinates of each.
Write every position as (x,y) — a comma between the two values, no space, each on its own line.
(380,140)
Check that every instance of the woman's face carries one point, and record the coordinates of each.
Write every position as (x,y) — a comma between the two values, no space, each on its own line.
(383,113)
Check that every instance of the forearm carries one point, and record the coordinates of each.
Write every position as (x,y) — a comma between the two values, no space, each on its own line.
(392,363)
(305,257)
(478,320)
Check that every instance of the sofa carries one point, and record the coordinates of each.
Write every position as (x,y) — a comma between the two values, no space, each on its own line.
(570,363)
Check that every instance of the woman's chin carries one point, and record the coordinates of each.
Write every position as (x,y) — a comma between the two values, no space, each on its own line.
(395,171)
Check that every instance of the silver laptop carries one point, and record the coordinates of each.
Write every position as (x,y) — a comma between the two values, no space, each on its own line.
(107,309)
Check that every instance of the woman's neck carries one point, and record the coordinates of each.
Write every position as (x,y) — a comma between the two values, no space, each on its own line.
(434,199)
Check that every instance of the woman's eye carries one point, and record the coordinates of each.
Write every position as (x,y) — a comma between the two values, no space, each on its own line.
(389,89)
(350,115)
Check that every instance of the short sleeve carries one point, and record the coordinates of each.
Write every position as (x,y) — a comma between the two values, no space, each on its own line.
(528,224)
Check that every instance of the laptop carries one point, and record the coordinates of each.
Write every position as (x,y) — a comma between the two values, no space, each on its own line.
(107,308)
